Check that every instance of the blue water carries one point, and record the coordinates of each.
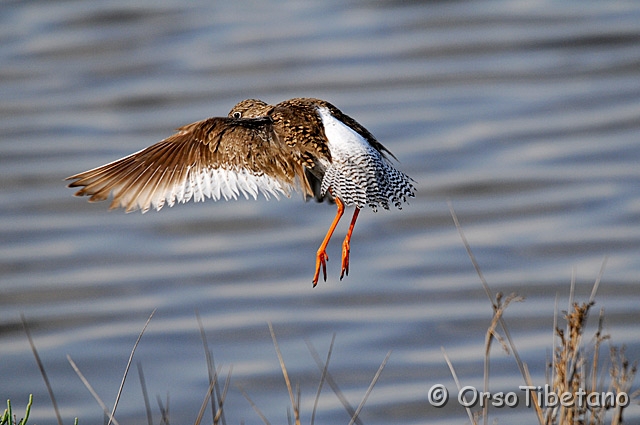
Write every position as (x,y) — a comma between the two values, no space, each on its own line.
(525,116)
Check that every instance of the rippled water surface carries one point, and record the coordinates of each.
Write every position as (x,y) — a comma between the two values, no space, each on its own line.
(525,116)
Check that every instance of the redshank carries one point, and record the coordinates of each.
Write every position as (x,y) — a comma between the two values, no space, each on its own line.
(300,144)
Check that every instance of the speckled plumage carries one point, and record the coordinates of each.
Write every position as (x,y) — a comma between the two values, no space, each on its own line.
(360,174)
(301,143)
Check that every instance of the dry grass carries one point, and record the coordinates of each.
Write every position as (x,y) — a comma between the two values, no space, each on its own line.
(214,393)
(574,367)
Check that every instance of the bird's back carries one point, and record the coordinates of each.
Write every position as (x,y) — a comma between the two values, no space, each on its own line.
(340,154)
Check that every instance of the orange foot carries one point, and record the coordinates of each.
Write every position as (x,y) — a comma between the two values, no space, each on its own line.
(346,245)
(321,261)
(321,255)
(346,249)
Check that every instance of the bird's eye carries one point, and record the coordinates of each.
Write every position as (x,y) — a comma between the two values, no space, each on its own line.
(237,114)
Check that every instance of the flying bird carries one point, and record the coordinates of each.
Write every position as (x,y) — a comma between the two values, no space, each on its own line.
(301,144)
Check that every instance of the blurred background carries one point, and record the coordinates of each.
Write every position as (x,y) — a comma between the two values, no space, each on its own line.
(525,115)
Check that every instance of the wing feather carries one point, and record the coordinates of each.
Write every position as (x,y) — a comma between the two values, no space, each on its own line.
(214,158)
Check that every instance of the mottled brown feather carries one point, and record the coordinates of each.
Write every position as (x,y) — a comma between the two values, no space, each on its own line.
(283,143)
(247,143)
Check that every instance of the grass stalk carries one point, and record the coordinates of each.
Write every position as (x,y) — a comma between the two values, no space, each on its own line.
(472,419)
(126,370)
(569,369)
(145,395)
(323,377)
(332,383)
(356,415)
(41,368)
(88,386)
(294,403)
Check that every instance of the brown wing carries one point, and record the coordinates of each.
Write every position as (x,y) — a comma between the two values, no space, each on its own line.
(214,158)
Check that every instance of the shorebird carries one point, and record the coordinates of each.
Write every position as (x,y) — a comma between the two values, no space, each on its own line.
(300,144)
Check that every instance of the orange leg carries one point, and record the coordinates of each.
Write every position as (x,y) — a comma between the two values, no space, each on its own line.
(346,245)
(321,255)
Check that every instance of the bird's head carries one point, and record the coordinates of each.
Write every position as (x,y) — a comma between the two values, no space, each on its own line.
(249,108)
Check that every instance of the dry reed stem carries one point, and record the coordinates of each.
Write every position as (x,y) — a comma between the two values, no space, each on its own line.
(323,377)
(86,383)
(41,368)
(455,379)
(494,304)
(326,376)
(126,370)
(217,411)
(164,412)
(145,394)
(486,288)
(207,396)
(220,412)
(599,339)
(254,406)
(368,392)
(572,370)
(332,383)
(493,334)
(294,403)
(111,415)
(622,375)
(568,367)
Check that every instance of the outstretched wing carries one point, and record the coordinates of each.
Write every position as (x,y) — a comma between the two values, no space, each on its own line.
(214,158)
